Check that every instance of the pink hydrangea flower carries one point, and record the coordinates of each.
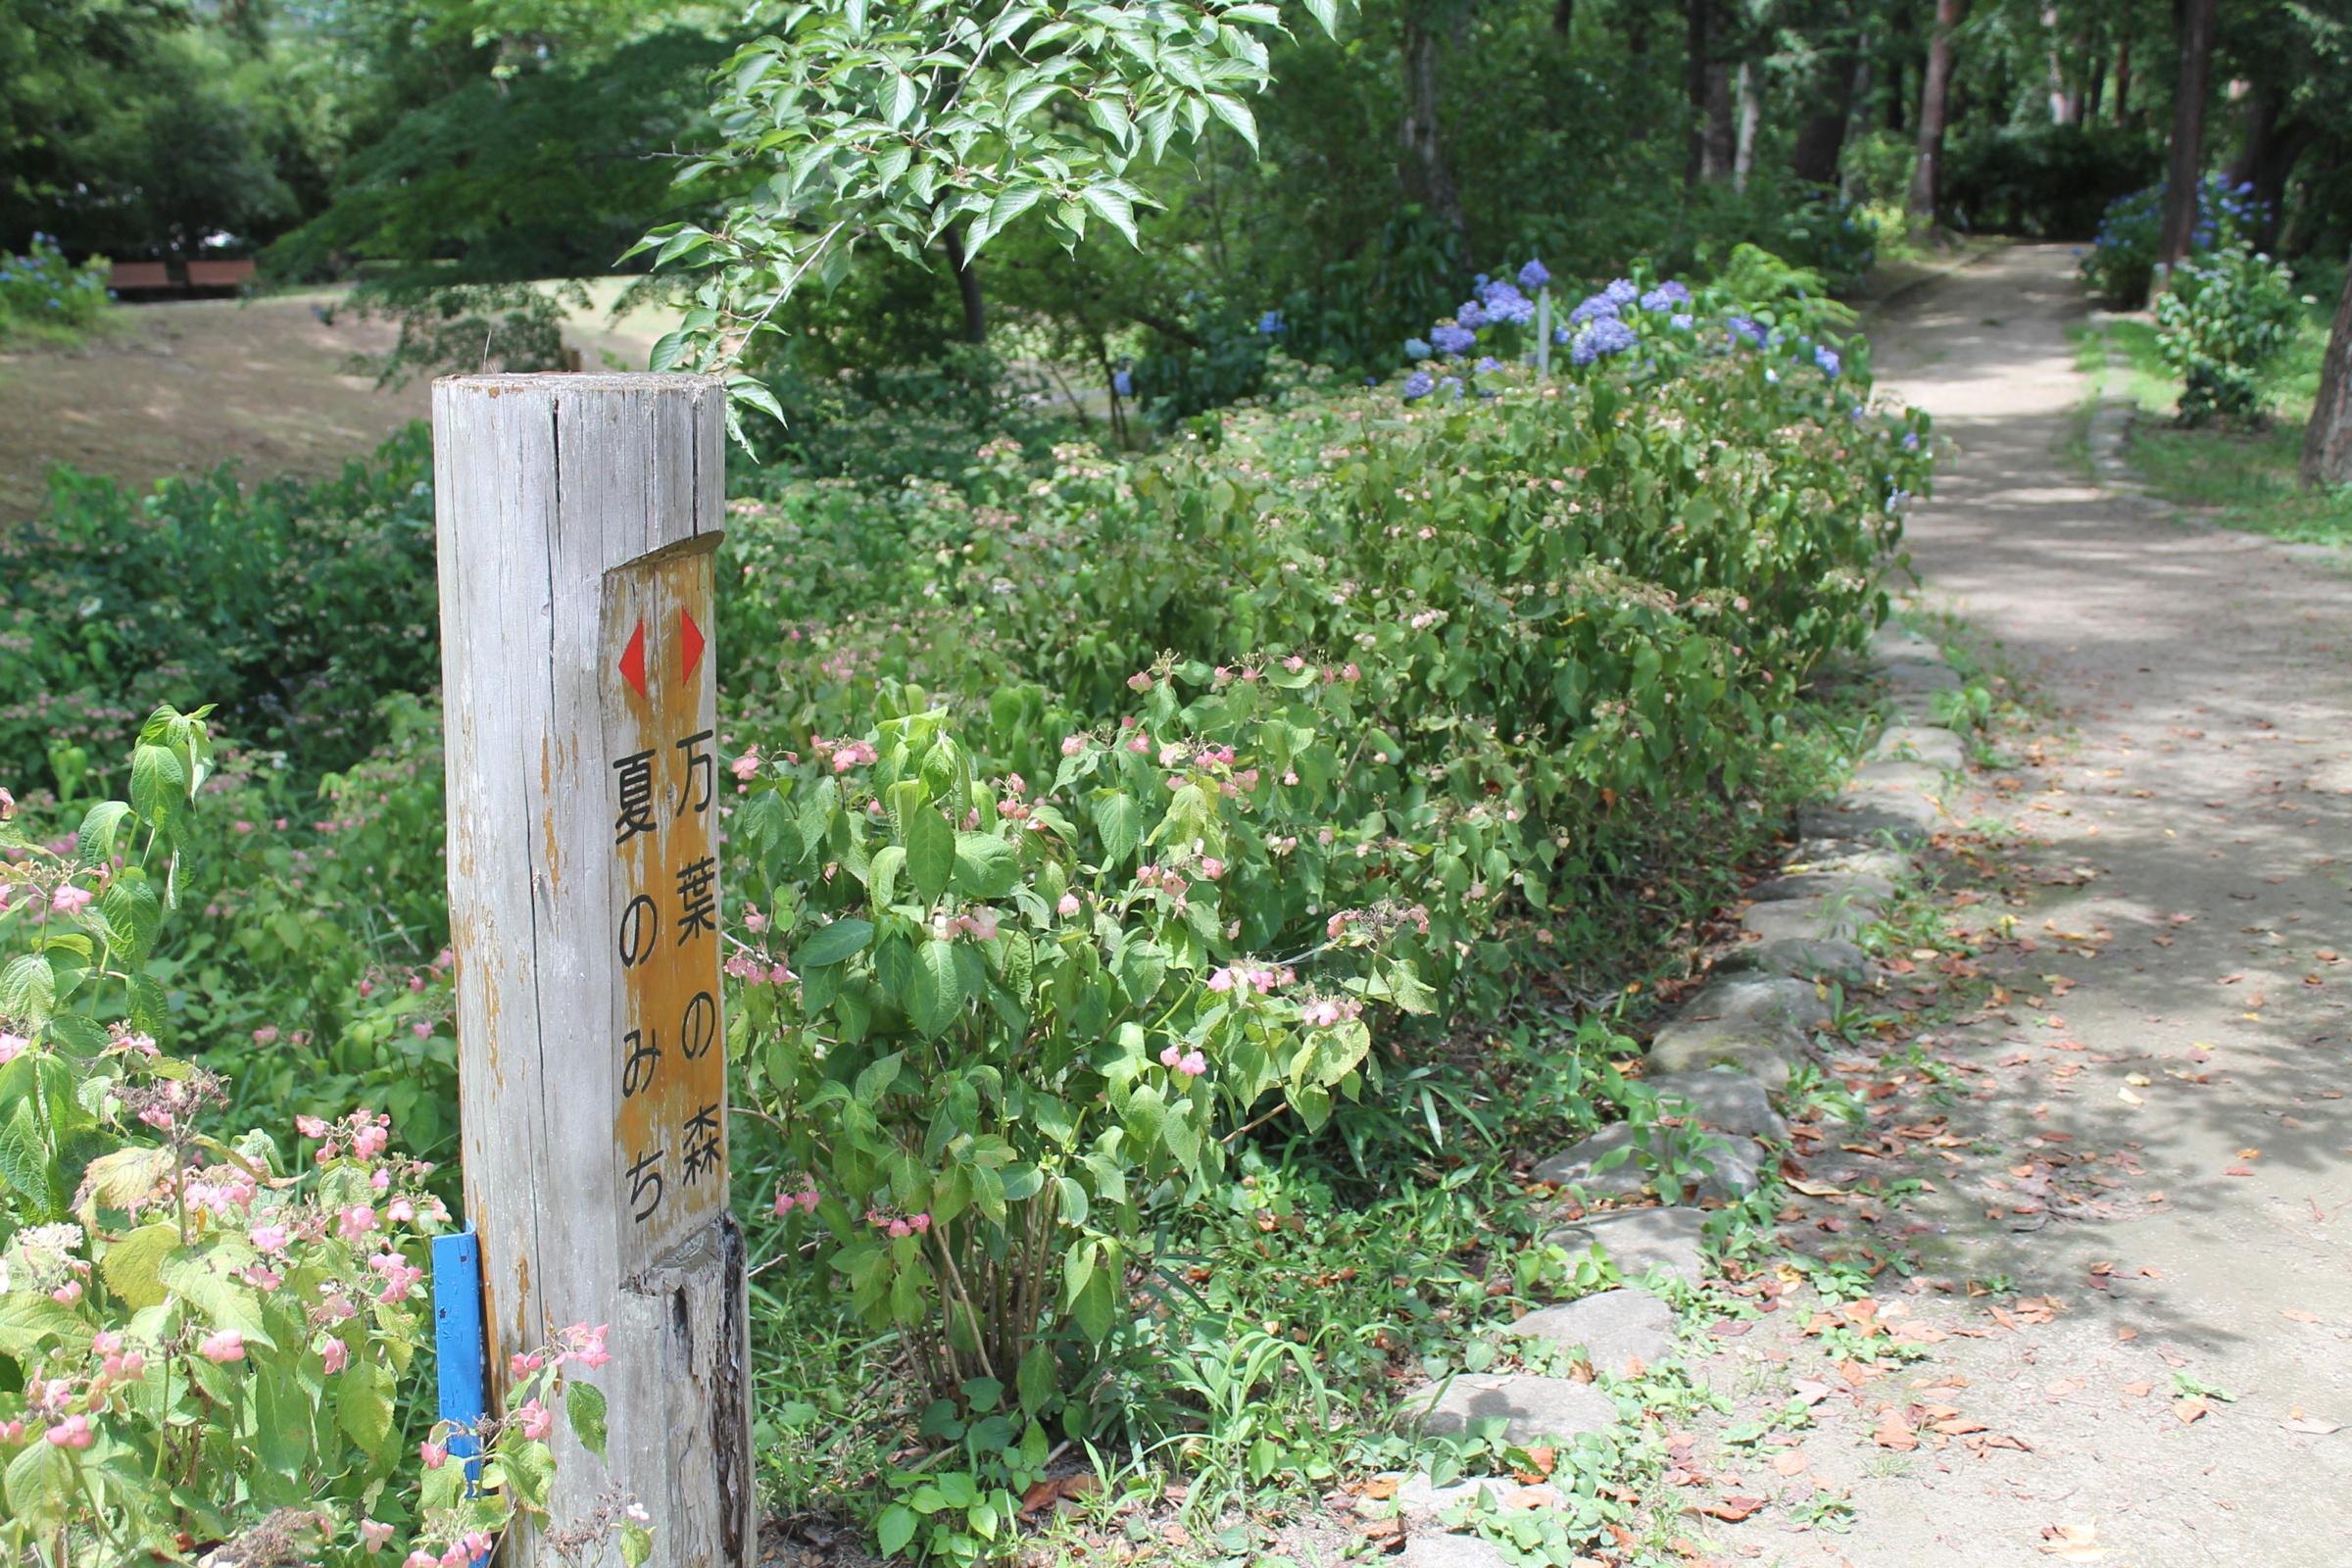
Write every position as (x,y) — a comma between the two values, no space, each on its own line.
(68,898)
(1192,1065)
(1072,745)
(537,1420)
(12,1047)
(1068,903)
(747,764)
(74,1431)
(223,1347)
(337,1355)
(356,1222)
(434,1454)
(374,1535)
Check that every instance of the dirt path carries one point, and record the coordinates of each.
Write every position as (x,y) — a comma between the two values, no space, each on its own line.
(179,388)
(2207,678)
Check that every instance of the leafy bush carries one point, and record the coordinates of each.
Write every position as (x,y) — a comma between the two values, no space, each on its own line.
(297,605)
(202,1340)
(45,297)
(2052,182)
(2223,326)
(2121,263)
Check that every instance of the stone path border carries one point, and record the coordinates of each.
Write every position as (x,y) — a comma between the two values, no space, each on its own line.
(1717,1064)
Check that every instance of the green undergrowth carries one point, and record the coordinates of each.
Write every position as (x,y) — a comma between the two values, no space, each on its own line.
(2239,479)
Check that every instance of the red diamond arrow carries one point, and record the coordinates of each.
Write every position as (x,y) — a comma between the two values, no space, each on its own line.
(690,646)
(632,657)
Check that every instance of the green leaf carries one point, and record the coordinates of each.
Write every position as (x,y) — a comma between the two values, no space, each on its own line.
(1036,1381)
(26,1319)
(986,865)
(894,1529)
(930,851)
(27,990)
(1114,207)
(133,1265)
(585,1403)
(934,994)
(364,1407)
(833,942)
(1120,824)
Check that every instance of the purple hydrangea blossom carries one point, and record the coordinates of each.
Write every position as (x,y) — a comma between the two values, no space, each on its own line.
(1665,297)
(1504,303)
(1605,336)
(1680,323)
(1827,358)
(1454,383)
(1415,349)
(1559,335)
(1454,339)
(1122,383)
(1271,322)
(1472,314)
(1417,385)
(1747,327)
(1535,274)
(1622,290)
(1489,363)
(1596,308)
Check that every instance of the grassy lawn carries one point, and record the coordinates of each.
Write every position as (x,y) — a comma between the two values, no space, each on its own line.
(2242,479)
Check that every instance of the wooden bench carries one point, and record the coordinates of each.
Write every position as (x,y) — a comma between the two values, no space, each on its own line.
(142,275)
(219,273)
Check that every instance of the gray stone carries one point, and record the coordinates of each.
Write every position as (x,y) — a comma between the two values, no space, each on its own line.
(1893,643)
(1870,817)
(1756,1000)
(1533,1407)
(1920,743)
(1615,1329)
(1638,1240)
(1917,777)
(1919,675)
(1840,961)
(1850,858)
(1731,1162)
(1815,918)
(1761,1052)
(1728,1101)
(1436,1551)
(1824,884)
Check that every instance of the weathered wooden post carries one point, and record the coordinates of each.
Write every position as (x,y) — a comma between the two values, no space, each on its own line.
(577,520)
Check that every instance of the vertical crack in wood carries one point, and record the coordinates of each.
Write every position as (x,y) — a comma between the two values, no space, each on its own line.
(730,1414)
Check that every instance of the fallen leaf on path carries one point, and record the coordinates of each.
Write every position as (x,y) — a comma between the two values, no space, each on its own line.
(1731,1510)
(1810,1389)
(2316,1428)
(2192,1409)
(1790,1462)
(2063,1387)
(1379,1489)
(1816,1188)
(1378,1529)
(2139,1391)
(2073,1543)
(2128,1097)
(2249,1154)
(2170,1360)
(2139,1080)
(1046,1493)
(2121,1334)
(1894,1434)
(2300,1317)
(1954,1426)
(2238,1170)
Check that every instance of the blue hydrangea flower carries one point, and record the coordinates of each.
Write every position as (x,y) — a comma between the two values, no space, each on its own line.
(1911,441)
(1489,363)
(1122,383)
(1454,339)
(1827,358)
(1680,323)
(1622,290)
(1559,335)
(1608,335)
(1418,385)
(1455,383)
(1665,297)
(1746,326)
(1270,322)
(1472,314)
(1504,303)
(1594,308)
(1415,349)
(1535,274)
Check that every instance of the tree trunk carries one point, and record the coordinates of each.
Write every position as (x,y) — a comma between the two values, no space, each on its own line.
(1857,111)
(1697,17)
(2123,80)
(2065,108)
(1563,17)
(1935,97)
(1751,114)
(1722,127)
(2195,20)
(2328,443)
(1423,171)
(967,285)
